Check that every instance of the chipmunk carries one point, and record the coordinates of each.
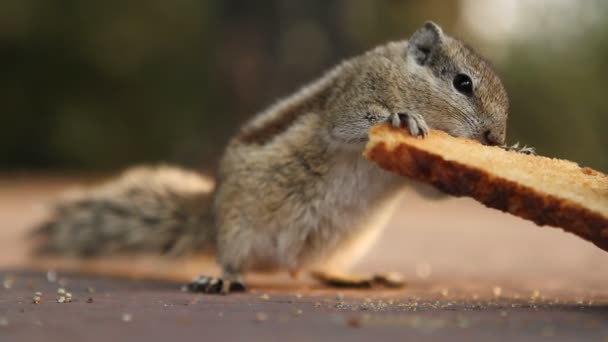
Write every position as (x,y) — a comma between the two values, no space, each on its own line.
(294,192)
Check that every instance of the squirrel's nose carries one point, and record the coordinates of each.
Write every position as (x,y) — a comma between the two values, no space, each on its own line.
(491,137)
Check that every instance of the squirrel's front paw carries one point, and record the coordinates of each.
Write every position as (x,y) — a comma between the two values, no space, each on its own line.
(415,123)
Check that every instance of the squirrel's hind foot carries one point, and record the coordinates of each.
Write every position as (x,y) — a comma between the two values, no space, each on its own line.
(215,285)
(337,279)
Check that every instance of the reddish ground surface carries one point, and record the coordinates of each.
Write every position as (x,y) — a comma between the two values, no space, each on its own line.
(473,273)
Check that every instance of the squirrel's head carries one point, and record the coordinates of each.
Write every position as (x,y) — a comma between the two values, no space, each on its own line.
(466,97)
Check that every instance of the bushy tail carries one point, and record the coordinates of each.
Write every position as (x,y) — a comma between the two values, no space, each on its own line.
(158,210)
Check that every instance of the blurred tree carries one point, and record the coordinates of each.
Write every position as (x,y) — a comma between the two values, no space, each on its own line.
(99,85)
(556,76)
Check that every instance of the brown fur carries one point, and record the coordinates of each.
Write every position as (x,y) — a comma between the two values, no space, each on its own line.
(293,191)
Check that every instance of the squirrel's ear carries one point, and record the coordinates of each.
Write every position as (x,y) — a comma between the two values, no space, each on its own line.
(425,41)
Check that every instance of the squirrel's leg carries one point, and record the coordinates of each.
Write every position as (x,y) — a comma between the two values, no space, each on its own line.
(349,129)
(231,281)
(332,270)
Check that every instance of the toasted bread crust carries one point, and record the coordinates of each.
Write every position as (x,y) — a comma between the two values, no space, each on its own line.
(449,175)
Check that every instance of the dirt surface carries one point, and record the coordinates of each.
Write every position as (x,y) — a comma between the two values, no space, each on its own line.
(473,273)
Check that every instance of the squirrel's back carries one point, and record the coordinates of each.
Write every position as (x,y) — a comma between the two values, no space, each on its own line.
(147,209)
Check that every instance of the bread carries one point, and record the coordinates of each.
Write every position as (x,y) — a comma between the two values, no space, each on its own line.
(547,191)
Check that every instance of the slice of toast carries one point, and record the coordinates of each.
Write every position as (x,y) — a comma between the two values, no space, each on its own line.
(547,191)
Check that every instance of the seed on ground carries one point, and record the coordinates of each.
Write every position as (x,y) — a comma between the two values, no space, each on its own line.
(261,317)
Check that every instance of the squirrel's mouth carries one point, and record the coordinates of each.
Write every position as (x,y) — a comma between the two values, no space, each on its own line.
(463,132)
(485,138)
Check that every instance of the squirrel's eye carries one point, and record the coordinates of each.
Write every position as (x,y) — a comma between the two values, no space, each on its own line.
(463,84)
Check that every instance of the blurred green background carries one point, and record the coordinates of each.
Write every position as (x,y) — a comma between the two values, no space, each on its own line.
(99,85)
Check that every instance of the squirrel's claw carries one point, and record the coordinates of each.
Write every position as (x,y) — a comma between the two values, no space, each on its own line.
(527,150)
(515,147)
(415,123)
(214,285)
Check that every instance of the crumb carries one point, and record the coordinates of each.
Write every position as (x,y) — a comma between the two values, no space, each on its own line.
(317,304)
(340,296)
(497,291)
(535,294)
(353,322)
(37,299)
(445,292)
(61,299)
(589,171)
(265,296)
(298,295)
(261,317)
(61,291)
(298,312)
(8,282)
(90,290)
(51,276)
(127,317)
